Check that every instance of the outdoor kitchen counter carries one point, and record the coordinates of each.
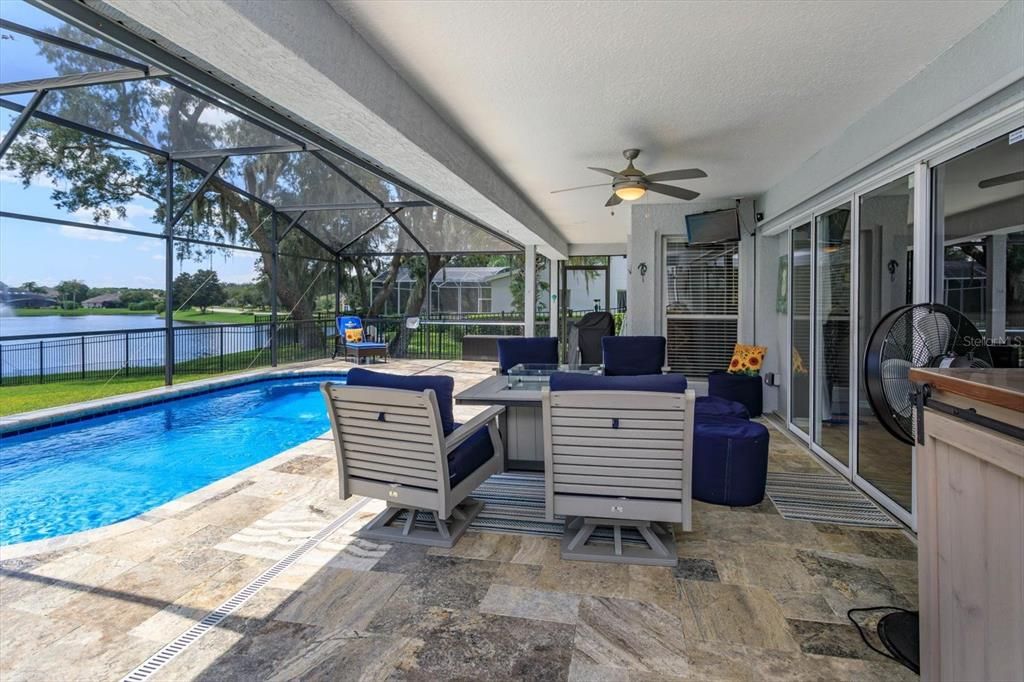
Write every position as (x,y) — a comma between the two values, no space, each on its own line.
(970,512)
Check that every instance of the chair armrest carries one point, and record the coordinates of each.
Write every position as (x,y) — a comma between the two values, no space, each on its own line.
(497,371)
(666,370)
(459,435)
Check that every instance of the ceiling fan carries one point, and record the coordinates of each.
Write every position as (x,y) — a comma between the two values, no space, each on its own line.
(630,184)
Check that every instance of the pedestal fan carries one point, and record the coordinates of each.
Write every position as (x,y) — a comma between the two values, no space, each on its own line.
(920,335)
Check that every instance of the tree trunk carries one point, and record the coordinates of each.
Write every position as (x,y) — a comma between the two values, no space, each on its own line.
(400,344)
(382,296)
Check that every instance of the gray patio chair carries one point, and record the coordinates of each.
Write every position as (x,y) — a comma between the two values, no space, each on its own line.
(619,460)
(391,446)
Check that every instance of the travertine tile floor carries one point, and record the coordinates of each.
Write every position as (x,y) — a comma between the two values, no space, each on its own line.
(755,597)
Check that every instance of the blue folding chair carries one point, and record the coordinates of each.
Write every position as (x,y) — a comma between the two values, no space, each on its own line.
(351,341)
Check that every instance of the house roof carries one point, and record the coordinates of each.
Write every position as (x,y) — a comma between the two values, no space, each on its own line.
(103,298)
(452,275)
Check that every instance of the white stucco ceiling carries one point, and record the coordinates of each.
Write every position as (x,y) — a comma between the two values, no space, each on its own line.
(745,90)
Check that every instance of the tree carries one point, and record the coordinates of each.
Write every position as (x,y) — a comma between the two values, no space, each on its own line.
(33,288)
(73,290)
(202,289)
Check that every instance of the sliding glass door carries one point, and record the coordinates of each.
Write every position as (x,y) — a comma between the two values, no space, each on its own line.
(884,282)
(832,236)
(800,328)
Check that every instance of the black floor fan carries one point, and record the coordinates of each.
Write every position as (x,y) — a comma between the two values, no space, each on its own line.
(921,335)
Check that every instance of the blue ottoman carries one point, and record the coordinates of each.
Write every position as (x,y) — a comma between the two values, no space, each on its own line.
(730,461)
(741,388)
(710,406)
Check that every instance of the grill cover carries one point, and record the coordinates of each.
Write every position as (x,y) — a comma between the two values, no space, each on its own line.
(585,337)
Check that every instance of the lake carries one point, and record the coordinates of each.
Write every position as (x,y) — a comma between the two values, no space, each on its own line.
(94,350)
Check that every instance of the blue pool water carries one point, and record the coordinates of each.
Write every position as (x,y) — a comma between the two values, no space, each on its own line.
(105,469)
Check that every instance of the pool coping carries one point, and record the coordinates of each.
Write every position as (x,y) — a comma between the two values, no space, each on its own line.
(53,416)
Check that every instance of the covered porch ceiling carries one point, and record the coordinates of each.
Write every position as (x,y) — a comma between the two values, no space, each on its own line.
(746,91)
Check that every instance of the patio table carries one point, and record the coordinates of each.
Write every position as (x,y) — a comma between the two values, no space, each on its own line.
(522,424)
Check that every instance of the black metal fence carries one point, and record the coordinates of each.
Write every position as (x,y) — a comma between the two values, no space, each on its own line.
(217,348)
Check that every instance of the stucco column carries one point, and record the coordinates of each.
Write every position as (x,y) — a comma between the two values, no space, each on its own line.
(530,291)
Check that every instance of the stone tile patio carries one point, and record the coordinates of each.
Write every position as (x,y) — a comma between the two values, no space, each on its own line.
(755,597)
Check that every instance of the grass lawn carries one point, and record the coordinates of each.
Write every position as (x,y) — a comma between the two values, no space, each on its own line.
(14,399)
(212,317)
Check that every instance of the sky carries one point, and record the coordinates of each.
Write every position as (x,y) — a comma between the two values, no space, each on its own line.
(47,254)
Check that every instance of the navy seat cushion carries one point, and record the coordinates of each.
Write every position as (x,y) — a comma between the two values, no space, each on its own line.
(443,388)
(713,406)
(730,461)
(366,344)
(658,383)
(540,350)
(466,458)
(633,355)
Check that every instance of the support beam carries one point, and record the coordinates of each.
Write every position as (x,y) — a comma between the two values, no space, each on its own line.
(169,276)
(197,192)
(274,250)
(554,293)
(391,214)
(21,121)
(74,80)
(358,206)
(72,45)
(530,291)
(240,151)
(293,223)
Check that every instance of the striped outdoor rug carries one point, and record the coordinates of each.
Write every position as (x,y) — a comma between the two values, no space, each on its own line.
(824,498)
(514,503)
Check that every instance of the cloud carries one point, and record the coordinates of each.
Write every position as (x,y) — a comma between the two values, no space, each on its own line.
(90,235)
(37,181)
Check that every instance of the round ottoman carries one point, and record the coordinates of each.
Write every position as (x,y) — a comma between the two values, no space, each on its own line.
(741,388)
(711,406)
(730,461)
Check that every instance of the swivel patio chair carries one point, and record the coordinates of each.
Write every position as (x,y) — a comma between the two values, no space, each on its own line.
(352,341)
(619,459)
(633,355)
(526,350)
(396,441)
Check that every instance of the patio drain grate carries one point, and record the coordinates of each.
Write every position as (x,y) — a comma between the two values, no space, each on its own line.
(212,619)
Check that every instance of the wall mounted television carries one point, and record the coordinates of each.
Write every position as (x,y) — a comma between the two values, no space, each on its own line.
(712,227)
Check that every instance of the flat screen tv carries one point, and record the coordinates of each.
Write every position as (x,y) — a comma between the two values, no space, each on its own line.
(713,227)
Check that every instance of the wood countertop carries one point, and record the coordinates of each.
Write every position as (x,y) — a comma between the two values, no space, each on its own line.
(995,386)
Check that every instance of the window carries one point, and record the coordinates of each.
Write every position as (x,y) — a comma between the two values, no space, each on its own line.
(701,305)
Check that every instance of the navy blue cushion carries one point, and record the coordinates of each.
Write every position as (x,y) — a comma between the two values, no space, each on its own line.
(633,355)
(730,461)
(443,388)
(741,388)
(473,452)
(712,406)
(658,383)
(540,350)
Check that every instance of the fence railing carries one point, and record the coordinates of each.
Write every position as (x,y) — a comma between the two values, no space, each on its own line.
(217,348)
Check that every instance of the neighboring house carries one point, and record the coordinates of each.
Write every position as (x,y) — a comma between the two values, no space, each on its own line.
(19,298)
(103,301)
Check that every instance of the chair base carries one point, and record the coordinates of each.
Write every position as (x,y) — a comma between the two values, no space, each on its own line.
(660,549)
(388,527)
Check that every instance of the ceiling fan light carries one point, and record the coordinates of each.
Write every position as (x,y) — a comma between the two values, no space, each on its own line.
(630,192)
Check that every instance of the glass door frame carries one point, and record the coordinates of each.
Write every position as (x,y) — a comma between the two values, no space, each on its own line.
(805,219)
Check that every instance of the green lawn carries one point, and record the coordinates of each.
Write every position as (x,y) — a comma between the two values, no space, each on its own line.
(14,399)
(212,317)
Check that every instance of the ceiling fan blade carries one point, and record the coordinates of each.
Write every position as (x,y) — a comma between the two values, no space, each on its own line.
(677,192)
(1001,180)
(613,200)
(683,174)
(573,189)
(612,173)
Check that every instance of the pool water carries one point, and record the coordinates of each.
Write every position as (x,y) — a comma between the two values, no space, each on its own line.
(101,470)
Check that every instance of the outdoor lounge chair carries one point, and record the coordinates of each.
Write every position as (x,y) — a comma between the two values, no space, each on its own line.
(633,355)
(352,341)
(396,441)
(620,460)
(512,351)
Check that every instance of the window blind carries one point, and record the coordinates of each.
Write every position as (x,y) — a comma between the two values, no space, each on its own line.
(701,305)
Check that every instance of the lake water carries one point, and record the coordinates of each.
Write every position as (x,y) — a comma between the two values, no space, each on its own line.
(95,351)
(45,325)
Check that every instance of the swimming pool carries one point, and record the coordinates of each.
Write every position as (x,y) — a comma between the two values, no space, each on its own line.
(104,469)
